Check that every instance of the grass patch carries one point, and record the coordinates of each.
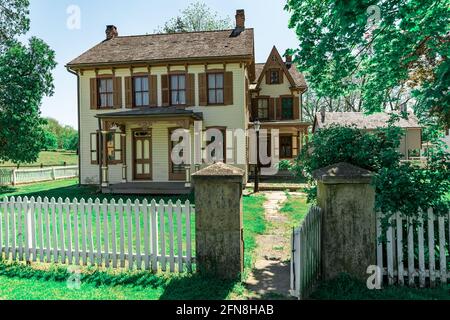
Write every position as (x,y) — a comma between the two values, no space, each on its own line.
(49,158)
(254,224)
(347,288)
(21,282)
(295,209)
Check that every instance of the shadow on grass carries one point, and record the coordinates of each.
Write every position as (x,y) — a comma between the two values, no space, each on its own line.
(7,189)
(345,287)
(80,192)
(198,287)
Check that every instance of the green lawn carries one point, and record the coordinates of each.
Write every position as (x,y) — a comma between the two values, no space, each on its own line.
(295,209)
(30,283)
(347,288)
(49,158)
(69,189)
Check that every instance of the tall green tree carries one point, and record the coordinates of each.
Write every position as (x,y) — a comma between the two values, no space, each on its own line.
(13,19)
(25,78)
(394,52)
(66,136)
(196,17)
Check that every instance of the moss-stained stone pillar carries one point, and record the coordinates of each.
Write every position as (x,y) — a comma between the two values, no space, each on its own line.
(347,199)
(218,215)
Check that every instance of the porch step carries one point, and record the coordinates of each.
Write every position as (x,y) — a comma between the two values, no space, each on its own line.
(150,188)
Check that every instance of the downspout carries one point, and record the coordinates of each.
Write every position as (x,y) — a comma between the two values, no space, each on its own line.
(79,122)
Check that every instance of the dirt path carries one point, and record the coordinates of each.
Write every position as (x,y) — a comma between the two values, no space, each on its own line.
(271,275)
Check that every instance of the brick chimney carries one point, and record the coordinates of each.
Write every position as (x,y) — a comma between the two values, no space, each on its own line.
(288,61)
(240,19)
(111,32)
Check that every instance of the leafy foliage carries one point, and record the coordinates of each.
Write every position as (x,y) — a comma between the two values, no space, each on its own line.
(14,19)
(196,17)
(396,58)
(67,137)
(25,78)
(400,186)
(50,141)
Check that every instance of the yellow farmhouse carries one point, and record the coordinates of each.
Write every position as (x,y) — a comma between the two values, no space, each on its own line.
(135,91)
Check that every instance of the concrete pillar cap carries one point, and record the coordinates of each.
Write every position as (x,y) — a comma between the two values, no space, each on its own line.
(219,170)
(343,173)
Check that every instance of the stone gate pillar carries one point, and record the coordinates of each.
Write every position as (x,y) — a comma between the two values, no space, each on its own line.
(347,199)
(218,215)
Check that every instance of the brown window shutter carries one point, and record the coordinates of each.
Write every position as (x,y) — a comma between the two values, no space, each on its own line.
(94,95)
(272,109)
(203,90)
(153,83)
(190,90)
(165,90)
(128,92)
(254,109)
(278,106)
(268,77)
(228,88)
(296,108)
(117,83)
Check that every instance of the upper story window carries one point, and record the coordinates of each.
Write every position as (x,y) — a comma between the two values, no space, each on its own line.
(287,109)
(141,91)
(274,76)
(215,88)
(263,109)
(105,93)
(178,89)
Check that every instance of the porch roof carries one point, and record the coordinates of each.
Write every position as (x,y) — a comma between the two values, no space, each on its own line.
(161,112)
(283,123)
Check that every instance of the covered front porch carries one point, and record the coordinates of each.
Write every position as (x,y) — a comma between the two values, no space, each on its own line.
(135,151)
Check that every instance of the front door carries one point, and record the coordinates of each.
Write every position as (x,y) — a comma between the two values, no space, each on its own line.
(142,155)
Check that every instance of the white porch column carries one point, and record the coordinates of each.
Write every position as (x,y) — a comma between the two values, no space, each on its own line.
(104,164)
(123,136)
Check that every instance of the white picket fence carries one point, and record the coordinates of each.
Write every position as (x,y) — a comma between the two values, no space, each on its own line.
(305,259)
(142,235)
(21,176)
(415,252)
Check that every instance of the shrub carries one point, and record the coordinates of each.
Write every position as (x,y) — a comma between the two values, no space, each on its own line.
(400,186)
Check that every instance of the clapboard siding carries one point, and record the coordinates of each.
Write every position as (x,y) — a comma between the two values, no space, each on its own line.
(232,117)
(138,235)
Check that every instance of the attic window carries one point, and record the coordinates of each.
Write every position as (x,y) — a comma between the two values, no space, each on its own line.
(274,76)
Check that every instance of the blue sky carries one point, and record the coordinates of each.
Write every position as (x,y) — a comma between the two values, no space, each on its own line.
(49,22)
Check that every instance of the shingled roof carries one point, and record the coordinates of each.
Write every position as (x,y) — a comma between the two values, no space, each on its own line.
(296,75)
(362,121)
(168,47)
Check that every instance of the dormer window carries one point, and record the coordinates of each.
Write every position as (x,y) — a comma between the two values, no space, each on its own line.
(274,76)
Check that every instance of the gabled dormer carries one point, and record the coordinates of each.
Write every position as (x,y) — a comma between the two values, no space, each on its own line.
(277,92)
(277,72)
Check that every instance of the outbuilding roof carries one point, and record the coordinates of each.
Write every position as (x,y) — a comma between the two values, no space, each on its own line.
(362,121)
